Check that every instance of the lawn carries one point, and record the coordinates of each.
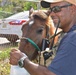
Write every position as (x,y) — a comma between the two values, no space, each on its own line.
(4,61)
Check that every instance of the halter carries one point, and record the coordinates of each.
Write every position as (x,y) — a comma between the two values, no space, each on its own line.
(32,42)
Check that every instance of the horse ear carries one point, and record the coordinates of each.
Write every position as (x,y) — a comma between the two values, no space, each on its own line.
(31,10)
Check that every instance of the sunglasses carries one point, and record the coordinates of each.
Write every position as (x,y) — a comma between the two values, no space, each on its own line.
(57,9)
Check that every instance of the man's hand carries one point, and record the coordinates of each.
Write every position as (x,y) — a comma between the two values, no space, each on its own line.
(15,55)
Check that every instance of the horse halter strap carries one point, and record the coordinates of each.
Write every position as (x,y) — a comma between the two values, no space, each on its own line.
(32,42)
(35,45)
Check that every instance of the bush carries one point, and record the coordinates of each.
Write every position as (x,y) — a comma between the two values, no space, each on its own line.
(4,14)
(4,61)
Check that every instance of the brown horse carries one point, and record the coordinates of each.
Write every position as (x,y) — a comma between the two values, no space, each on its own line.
(39,26)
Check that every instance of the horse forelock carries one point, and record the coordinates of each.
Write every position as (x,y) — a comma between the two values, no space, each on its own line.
(40,14)
(37,15)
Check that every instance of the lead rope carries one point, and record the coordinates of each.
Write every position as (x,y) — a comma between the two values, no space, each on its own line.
(46,55)
(55,35)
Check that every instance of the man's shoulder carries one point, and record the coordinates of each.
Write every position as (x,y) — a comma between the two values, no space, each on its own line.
(72,35)
(69,38)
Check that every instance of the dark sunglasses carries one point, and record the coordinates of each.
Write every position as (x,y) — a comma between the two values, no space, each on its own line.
(57,9)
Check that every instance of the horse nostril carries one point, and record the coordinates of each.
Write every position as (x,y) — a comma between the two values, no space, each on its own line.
(23,40)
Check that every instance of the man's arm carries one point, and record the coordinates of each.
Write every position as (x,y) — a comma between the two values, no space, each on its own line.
(32,68)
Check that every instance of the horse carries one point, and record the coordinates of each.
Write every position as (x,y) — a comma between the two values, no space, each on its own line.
(39,27)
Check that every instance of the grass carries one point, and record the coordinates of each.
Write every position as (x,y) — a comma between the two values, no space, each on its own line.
(4,54)
(4,61)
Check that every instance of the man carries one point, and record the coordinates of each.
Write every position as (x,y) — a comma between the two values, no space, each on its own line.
(65,61)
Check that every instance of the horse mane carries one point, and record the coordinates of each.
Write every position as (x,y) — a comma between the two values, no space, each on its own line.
(43,16)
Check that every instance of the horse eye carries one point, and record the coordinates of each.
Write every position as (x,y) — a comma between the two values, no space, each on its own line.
(40,30)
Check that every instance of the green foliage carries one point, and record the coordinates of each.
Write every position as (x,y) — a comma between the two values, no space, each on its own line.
(28,4)
(4,14)
(4,61)
(17,5)
(4,68)
(4,54)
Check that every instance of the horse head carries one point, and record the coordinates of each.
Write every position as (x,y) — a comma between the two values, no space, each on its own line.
(36,29)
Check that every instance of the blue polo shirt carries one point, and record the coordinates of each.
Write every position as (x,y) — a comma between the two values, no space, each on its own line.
(64,62)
